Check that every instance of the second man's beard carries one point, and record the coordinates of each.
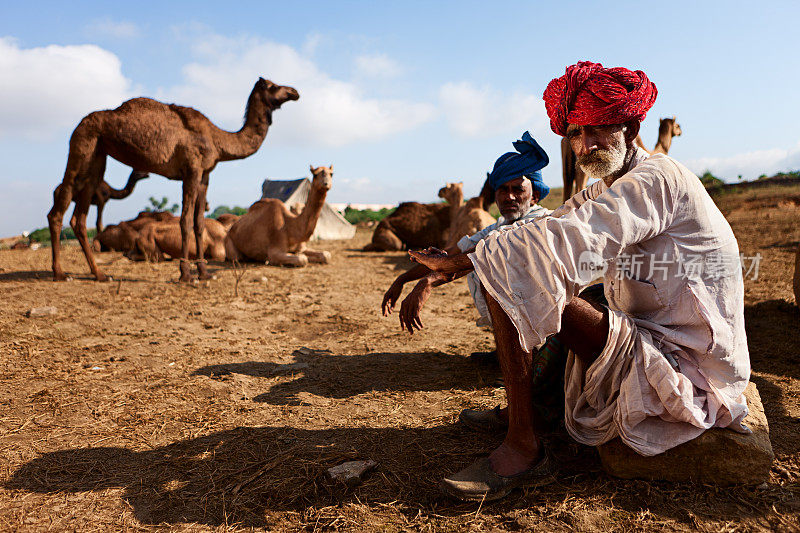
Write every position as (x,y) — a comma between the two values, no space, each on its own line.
(513,216)
(600,164)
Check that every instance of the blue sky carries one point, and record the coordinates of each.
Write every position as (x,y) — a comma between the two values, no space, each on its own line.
(401,97)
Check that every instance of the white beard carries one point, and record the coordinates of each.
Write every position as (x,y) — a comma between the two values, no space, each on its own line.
(603,163)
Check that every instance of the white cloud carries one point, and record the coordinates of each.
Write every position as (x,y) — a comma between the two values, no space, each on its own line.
(112,28)
(330,112)
(483,112)
(749,165)
(45,90)
(377,66)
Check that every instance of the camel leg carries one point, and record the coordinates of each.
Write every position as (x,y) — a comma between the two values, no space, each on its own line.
(314,256)
(199,225)
(190,186)
(78,223)
(62,197)
(281,258)
(100,206)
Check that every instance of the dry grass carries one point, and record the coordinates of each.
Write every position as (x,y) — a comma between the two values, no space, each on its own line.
(149,405)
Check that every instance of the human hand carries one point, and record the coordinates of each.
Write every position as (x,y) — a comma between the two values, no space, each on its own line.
(412,305)
(432,257)
(390,298)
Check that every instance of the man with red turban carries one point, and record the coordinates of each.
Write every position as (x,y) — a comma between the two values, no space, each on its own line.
(665,358)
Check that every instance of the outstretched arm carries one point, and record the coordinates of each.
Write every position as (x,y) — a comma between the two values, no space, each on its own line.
(442,262)
(396,288)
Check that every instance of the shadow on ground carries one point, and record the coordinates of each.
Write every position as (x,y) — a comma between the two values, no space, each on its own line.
(339,376)
(245,474)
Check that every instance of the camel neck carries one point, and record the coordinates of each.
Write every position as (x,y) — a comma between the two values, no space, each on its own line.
(246,141)
(664,141)
(306,221)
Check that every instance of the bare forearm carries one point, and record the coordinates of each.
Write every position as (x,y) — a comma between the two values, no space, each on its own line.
(438,278)
(415,273)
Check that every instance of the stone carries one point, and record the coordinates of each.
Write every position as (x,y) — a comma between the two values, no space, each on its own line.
(352,473)
(719,456)
(41,311)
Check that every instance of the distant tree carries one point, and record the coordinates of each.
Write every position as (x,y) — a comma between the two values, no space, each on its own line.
(710,180)
(43,234)
(354,216)
(223,209)
(161,205)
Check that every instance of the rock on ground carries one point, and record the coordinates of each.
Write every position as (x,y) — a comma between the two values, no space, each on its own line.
(718,456)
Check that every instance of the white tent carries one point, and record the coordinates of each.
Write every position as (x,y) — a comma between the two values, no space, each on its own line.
(331,224)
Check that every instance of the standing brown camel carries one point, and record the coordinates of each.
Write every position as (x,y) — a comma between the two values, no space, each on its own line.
(574,176)
(173,141)
(106,192)
(270,232)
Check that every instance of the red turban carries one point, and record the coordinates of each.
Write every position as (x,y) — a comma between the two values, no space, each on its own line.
(590,95)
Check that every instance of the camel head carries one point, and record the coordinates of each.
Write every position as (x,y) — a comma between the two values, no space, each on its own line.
(321,177)
(670,123)
(274,95)
(137,175)
(450,191)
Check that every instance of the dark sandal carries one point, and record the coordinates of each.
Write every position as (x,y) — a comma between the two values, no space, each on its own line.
(478,482)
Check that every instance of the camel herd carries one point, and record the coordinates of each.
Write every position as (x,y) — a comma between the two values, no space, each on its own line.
(269,232)
(180,143)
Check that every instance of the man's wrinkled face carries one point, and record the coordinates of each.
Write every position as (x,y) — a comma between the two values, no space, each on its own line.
(514,198)
(600,150)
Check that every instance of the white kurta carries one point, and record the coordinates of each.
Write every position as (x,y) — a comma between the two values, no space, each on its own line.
(468,242)
(675,361)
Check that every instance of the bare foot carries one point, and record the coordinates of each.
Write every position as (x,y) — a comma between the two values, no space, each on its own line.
(60,276)
(102,277)
(508,461)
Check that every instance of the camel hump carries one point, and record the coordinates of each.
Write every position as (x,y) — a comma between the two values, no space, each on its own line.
(141,103)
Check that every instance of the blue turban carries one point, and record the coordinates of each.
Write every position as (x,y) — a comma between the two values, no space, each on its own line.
(528,159)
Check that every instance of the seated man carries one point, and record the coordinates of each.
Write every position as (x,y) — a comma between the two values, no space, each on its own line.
(518,187)
(667,358)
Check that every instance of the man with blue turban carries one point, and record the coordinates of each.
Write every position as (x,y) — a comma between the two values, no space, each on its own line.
(517,182)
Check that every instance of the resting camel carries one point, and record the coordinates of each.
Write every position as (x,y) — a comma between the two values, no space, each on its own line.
(465,219)
(416,225)
(122,237)
(176,142)
(159,240)
(573,175)
(269,232)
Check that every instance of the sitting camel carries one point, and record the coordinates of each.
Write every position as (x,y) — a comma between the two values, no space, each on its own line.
(269,232)
(465,219)
(159,240)
(416,225)
(122,237)
(471,218)
(574,176)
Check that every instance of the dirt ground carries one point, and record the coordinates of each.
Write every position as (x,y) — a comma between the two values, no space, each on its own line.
(144,404)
